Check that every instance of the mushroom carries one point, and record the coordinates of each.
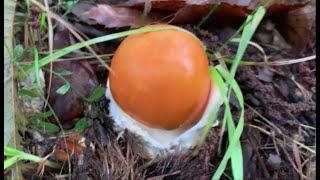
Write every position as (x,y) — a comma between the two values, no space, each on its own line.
(160,89)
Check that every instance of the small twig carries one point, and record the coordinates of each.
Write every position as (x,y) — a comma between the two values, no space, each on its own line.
(297,158)
(302,89)
(293,140)
(50,34)
(40,169)
(264,118)
(291,161)
(62,176)
(275,145)
(273,63)
(263,166)
(306,126)
(213,8)
(265,58)
(307,160)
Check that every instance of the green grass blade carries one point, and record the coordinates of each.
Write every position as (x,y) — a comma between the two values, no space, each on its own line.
(236,157)
(42,20)
(44,127)
(69,49)
(18,53)
(234,147)
(97,94)
(216,77)
(212,10)
(65,73)
(37,68)
(248,30)
(28,92)
(46,114)
(10,161)
(234,85)
(81,125)
(213,114)
(63,89)
(8,151)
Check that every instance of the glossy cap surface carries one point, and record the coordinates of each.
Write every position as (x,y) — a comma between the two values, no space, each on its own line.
(161,78)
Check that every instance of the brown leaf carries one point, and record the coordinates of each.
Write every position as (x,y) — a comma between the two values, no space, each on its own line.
(107,15)
(268,34)
(70,106)
(246,5)
(186,11)
(190,11)
(73,145)
(300,25)
(61,155)
(194,13)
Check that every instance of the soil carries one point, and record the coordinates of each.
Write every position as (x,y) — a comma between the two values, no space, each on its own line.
(279,99)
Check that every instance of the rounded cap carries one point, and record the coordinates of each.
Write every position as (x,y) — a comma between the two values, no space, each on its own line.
(161,78)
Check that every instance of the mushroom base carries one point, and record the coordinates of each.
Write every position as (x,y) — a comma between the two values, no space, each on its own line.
(160,141)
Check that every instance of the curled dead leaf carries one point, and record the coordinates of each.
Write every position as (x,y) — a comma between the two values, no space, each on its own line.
(72,143)
(300,27)
(194,13)
(186,11)
(70,106)
(245,5)
(108,15)
(73,147)
(61,155)
(82,81)
(269,34)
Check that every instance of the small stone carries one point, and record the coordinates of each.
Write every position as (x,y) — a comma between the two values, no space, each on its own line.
(274,161)
(253,100)
(265,75)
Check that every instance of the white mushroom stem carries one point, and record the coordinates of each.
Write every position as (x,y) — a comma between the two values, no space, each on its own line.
(159,141)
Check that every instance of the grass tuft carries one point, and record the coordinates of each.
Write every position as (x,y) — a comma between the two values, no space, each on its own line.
(13,156)
(227,84)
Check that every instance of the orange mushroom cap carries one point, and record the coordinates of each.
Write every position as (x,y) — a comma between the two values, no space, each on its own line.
(161,78)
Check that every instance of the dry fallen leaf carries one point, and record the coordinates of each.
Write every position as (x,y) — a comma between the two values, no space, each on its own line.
(186,11)
(268,34)
(107,15)
(245,5)
(61,155)
(300,27)
(70,106)
(194,13)
(72,143)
